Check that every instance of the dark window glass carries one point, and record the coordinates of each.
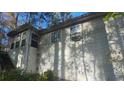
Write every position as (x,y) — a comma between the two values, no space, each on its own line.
(34,37)
(74,28)
(55,36)
(12,45)
(17,44)
(75,35)
(23,42)
(34,44)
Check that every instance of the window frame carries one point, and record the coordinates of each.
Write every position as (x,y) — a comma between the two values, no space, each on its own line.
(34,44)
(23,43)
(74,28)
(12,46)
(17,44)
(75,33)
(56,36)
(34,36)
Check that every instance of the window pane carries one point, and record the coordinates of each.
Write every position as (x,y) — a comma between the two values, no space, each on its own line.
(74,28)
(75,32)
(55,37)
(23,43)
(12,45)
(34,44)
(34,37)
(17,44)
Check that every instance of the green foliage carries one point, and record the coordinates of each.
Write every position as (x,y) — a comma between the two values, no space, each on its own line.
(113,15)
(48,76)
(15,75)
(56,17)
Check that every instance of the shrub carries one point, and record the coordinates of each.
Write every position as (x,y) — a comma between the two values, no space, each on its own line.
(10,75)
(15,75)
(48,76)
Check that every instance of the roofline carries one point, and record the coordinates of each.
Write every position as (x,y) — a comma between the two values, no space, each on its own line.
(74,21)
(20,29)
(61,25)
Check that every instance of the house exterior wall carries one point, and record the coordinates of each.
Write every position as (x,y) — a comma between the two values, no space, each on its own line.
(31,66)
(81,60)
(32,55)
(115,33)
(97,55)
(18,54)
(24,57)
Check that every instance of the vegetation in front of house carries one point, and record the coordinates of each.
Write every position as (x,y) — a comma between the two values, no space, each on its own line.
(16,75)
(5,61)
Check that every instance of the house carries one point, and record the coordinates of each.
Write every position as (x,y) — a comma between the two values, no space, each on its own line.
(76,49)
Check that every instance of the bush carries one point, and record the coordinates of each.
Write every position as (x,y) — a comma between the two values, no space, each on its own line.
(48,76)
(15,75)
(11,75)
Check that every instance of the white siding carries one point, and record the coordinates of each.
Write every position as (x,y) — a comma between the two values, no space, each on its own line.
(77,60)
(115,31)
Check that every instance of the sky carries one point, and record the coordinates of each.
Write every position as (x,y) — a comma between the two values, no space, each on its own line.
(74,14)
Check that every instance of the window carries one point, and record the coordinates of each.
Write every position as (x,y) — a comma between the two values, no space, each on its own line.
(75,32)
(34,40)
(55,37)
(17,44)
(34,37)
(74,28)
(23,42)
(12,45)
(34,44)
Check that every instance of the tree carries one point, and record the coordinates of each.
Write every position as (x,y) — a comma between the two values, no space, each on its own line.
(11,20)
(113,15)
(56,17)
(3,28)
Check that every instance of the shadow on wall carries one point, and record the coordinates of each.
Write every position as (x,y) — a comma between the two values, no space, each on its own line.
(52,56)
(82,60)
(115,31)
(92,51)
(17,56)
(56,58)
(98,47)
(63,37)
(46,56)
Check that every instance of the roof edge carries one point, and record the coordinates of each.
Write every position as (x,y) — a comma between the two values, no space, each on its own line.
(74,21)
(20,29)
